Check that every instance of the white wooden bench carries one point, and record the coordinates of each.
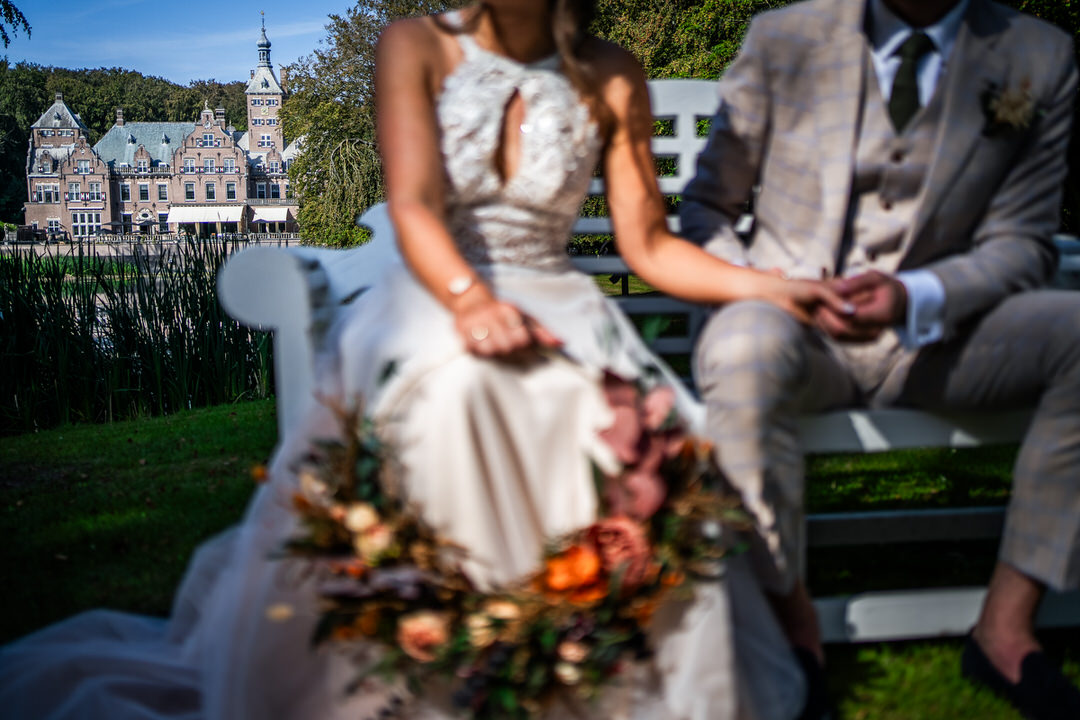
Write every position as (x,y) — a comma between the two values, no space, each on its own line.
(295,292)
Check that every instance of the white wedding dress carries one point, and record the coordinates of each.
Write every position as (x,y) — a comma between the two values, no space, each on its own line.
(498,457)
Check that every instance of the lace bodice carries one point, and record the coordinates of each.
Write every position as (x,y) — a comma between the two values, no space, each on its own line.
(526,219)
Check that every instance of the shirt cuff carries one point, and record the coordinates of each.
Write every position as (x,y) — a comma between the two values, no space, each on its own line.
(925,308)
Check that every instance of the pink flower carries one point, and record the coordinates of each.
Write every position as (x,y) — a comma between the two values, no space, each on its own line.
(619,392)
(636,494)
(421,633)
(657,407)
(624,435)
(621,543)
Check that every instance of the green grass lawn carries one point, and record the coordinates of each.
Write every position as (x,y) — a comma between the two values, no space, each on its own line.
(107,516)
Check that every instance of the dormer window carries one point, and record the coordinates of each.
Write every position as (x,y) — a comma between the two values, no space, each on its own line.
(82,167)
(142,165)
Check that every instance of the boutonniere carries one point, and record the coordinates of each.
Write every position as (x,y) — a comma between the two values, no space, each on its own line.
(1008,108)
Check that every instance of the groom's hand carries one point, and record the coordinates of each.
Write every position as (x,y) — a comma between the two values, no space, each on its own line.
(880,302)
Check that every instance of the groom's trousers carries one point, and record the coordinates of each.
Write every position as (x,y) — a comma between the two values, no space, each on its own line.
(758,369)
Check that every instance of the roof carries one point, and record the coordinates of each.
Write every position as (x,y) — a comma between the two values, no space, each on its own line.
(59,154)
(264,82)
(161,139)
(59,115)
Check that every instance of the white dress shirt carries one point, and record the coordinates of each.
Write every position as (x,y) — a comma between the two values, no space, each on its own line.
(886,33)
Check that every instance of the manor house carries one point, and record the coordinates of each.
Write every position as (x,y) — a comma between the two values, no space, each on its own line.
(156,177)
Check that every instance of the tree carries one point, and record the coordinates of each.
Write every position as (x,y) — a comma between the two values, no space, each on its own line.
(679,38)
(10,16)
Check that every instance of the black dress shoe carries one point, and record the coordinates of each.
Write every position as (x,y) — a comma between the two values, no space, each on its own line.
(1043,693)
(817,698)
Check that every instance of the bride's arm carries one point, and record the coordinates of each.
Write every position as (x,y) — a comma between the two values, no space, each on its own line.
(665,261)
(407,60)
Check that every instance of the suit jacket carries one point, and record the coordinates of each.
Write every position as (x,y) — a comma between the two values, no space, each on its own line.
(787,124)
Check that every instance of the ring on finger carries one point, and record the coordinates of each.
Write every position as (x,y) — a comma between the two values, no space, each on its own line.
(478,332)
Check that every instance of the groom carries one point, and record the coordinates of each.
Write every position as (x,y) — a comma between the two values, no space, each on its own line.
(911,152)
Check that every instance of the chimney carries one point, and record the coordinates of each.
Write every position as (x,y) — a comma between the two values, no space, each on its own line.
(285,80)
(219,116)
(120,116)
(59,97)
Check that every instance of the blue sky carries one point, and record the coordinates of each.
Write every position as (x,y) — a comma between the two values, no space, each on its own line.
(180,41)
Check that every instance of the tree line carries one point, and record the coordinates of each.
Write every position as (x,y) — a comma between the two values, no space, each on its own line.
(27,90)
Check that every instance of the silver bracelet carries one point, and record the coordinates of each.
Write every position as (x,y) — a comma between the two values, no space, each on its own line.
(461,284)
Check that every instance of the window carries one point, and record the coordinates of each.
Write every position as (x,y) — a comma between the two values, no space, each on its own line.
(85,223)
(256,121)
(271,121)
(163,220)
(275,190)
(162,192)
(189,191)
(82,167)
(74,191)
(230,165)
(53,225)
(142,165)
(275,166)
(208,140)
(95,192)
(211,191)
(265,141)
(256,101)
(144,192)
(208,165)
(125,193)
(271,101)
(125,223)
(230,191)
(189,165)
(49,193)
(260,190)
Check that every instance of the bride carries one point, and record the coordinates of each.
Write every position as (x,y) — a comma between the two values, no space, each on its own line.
(491,122)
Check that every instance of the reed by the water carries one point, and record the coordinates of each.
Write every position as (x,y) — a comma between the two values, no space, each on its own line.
(88,338)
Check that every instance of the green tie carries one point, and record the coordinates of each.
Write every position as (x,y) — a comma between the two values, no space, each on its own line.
(904,101)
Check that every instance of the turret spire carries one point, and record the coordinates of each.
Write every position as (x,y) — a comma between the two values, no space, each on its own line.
(264,44)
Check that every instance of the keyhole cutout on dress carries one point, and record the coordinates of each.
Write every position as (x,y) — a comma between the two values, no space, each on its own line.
(508,152)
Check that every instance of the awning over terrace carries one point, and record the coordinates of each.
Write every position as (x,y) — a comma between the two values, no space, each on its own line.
(205,214)
(270,214)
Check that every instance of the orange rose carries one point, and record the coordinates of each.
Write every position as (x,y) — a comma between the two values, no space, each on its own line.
(621,543)
(574,568)
(421,633)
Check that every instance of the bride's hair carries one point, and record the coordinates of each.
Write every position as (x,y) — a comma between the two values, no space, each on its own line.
(570,20)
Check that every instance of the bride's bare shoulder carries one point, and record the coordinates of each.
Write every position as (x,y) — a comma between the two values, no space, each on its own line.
(609,61)
(419,42)
(619,77)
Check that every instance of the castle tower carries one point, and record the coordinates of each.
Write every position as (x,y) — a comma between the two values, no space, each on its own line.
(264,97)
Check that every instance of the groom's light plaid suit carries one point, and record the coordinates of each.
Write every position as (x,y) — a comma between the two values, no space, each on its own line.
(959,192)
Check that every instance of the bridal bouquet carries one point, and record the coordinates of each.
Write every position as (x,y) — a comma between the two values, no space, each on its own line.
(389,578)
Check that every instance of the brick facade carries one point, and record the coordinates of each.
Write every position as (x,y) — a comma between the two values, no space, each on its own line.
(150,177)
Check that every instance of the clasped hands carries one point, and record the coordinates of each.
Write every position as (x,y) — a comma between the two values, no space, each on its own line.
(876,302)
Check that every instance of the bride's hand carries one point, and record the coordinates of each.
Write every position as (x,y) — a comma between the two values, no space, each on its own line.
(492,328)
(801,298)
